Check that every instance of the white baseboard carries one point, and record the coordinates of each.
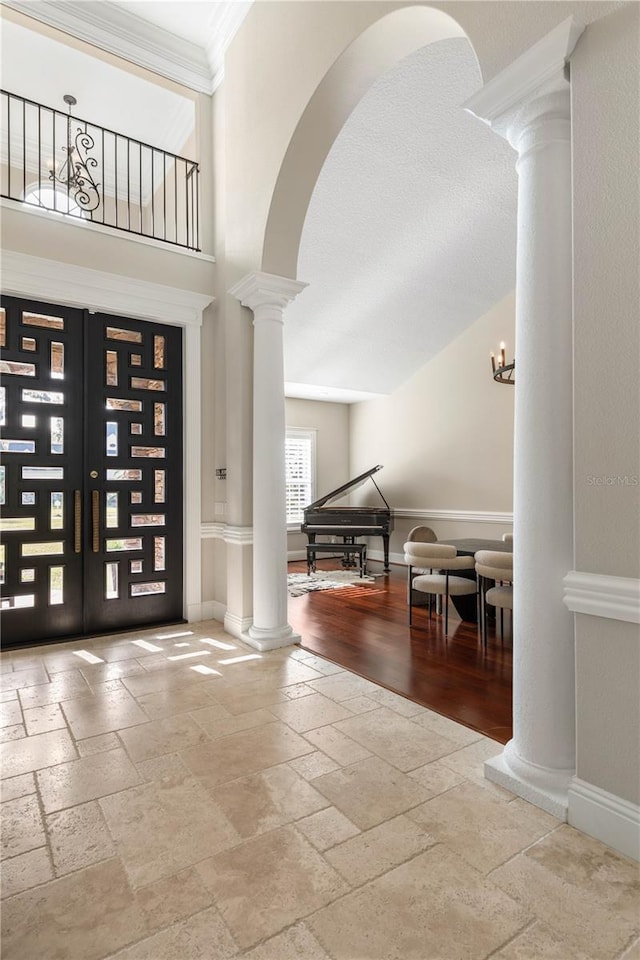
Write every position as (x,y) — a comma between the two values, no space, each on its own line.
(605,816)
(296,555)
(213,610)
(237,626)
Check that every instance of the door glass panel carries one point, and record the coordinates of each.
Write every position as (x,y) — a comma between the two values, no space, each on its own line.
(56,585)
(124,474)
(47,549)
(135,428)
(40,320)
(17,523)
(115,403)
(17,446)
(2,561)
(158,352)
(43,473)
(135,566)
(15,603)
(158,553)
(57,361)
(111,509)
(158,486)
(27,575)
(2,487)
(116,333)
(147,519)
(57,435)
(111,368)
(29,343)
(3,406)
(129,543)
(111,581)
(27,498)
(42,396)
(145,383)
(15,368)
(147,451)
(158,419)
(112,438)
(143,589)
(135,359)
(3,327)
(136,496)
(28,420)
(57,511)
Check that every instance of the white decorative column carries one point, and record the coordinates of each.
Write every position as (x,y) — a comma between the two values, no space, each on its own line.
(267,296)
(529,105)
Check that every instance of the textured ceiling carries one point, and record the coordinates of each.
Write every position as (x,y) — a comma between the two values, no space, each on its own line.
(410,233)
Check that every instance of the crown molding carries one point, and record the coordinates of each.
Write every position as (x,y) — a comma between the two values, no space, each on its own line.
(599,595)
(109,27)
(538,69)
(224,25)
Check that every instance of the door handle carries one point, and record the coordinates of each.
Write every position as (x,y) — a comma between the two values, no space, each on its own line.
(77,521)
(95,520)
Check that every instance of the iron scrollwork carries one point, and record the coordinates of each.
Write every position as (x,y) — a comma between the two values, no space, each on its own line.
(75,174)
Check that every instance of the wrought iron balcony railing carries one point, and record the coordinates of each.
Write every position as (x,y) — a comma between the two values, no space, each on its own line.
(74,168)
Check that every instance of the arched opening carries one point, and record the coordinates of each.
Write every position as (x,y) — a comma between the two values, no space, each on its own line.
(398,209)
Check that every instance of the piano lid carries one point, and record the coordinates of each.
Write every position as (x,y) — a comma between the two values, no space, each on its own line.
(348,488)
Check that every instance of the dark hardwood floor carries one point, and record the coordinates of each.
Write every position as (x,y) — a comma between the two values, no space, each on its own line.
(365,628)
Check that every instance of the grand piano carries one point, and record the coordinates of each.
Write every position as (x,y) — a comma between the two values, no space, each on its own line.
(323,519)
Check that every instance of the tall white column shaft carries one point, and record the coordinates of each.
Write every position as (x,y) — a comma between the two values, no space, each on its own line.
(529,104)
(267,296)
(544,702)
(269,516)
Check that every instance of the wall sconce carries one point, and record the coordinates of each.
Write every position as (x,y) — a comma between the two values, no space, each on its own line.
(503,372)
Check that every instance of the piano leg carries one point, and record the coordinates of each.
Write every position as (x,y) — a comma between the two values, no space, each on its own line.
(385,540)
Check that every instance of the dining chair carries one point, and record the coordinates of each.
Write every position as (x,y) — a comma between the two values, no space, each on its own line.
(498,567)
(439,557)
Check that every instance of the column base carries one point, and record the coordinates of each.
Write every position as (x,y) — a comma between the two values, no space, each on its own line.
(270,638)
(542,786)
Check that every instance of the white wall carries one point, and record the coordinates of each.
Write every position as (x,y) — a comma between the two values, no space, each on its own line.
(606,111)
(331,423)
(445,438)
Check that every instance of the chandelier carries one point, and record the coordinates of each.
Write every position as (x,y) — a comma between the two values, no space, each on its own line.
(74,173)
(503,372)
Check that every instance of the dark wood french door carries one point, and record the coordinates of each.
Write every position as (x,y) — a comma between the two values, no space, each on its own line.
(91,478)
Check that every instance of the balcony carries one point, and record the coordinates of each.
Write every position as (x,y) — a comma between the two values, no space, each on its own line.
(73,168)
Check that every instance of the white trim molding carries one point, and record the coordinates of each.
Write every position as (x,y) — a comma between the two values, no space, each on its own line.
(472,516)
(215,530)
(603,815)
(109,27)
(598,595)
(57,282)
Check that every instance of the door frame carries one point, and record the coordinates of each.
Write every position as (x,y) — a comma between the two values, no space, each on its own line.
(53,281)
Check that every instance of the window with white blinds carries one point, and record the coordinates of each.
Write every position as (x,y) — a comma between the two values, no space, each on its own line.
(300,455)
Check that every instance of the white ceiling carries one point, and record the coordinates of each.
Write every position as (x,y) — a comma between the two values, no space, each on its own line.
(410,234)
(112,98)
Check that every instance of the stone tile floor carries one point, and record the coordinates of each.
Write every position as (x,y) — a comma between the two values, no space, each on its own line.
(173,795)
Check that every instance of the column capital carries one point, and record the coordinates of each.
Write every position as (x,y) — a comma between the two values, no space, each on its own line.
(266,290)
(531,87)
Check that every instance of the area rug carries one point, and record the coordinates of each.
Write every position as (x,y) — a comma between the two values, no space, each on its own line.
(301,583)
